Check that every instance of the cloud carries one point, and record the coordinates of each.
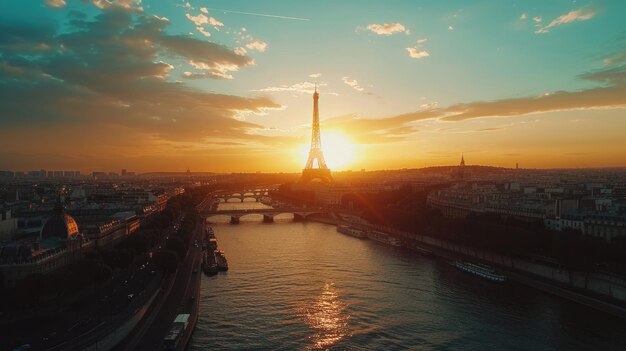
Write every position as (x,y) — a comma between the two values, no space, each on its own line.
(258,45)
(129,5)
(387,29)
(203,31)
(417,53)
(201,19)
(450,28)
(378,130)
(240,51)
(352,83)
(302,88)
(582,14)
(523,16)
(610,95)
(112,72)
(537,19)
(55,3)
(315,75)
(204,10)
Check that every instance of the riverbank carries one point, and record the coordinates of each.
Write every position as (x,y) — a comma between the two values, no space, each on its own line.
(517,270)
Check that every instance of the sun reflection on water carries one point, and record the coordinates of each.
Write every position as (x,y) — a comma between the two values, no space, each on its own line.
(327,318)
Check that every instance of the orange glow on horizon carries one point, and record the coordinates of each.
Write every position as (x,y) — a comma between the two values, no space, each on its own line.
(339,151)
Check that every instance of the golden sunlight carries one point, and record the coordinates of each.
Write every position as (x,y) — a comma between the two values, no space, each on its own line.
(339,151)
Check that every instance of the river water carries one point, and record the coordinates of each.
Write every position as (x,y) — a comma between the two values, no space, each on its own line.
(303,286)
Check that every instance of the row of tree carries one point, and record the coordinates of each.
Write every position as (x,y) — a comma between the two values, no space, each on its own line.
(408,211)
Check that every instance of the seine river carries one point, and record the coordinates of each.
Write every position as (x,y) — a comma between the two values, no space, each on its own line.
(303,286)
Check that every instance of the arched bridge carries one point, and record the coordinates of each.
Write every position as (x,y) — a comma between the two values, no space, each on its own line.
(299,214)
(256,194)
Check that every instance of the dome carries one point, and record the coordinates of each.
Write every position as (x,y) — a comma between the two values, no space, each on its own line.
(60,225)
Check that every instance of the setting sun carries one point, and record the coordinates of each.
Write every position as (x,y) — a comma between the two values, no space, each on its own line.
(339,151)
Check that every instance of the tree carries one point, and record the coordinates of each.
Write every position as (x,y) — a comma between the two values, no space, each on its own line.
(100,273)
(166,261)
(176,245)
(137,242)
(30,289)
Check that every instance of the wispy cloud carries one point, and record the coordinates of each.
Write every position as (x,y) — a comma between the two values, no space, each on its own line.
(582,14)
(386,29)
(258,45)
(417,53)
(353,83)
(113,82)
(396,128)
(300,88)
(55,3)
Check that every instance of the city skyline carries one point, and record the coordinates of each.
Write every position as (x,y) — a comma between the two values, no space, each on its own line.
(226,87)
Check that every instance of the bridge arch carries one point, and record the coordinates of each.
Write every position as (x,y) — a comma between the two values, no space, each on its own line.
(218,218)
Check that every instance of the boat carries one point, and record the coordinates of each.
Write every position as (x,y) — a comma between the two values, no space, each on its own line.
(220,259)
(357,233)
(212,244)
(383,238)
(481,270)
(209,264)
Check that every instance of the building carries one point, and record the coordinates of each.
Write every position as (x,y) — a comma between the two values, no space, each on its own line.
(8,225)
(60,242)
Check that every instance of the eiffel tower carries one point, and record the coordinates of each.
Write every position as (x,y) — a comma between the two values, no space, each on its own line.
(316,166)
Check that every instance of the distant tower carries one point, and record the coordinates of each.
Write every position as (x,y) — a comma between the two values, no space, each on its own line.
(316,166)
(188,172)
(516,165)
(460,172)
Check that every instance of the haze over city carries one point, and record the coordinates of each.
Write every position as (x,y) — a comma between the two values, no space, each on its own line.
(225,86)
(320,175)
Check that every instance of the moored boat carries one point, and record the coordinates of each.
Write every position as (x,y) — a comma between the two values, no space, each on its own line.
(481,270)
(220,259)
(357,233)
(383,238)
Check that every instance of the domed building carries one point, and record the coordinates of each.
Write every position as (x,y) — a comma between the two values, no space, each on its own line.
(60,226)
(60,230)
(60,243)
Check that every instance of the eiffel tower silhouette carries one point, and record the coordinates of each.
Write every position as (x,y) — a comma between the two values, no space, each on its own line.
(316,166)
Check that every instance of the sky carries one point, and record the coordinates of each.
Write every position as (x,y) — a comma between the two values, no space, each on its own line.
(226,86)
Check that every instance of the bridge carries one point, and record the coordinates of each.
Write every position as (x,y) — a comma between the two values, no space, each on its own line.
(256,194)
(299,213)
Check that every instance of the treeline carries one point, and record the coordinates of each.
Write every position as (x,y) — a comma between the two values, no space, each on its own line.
(408,211)
(298,197)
